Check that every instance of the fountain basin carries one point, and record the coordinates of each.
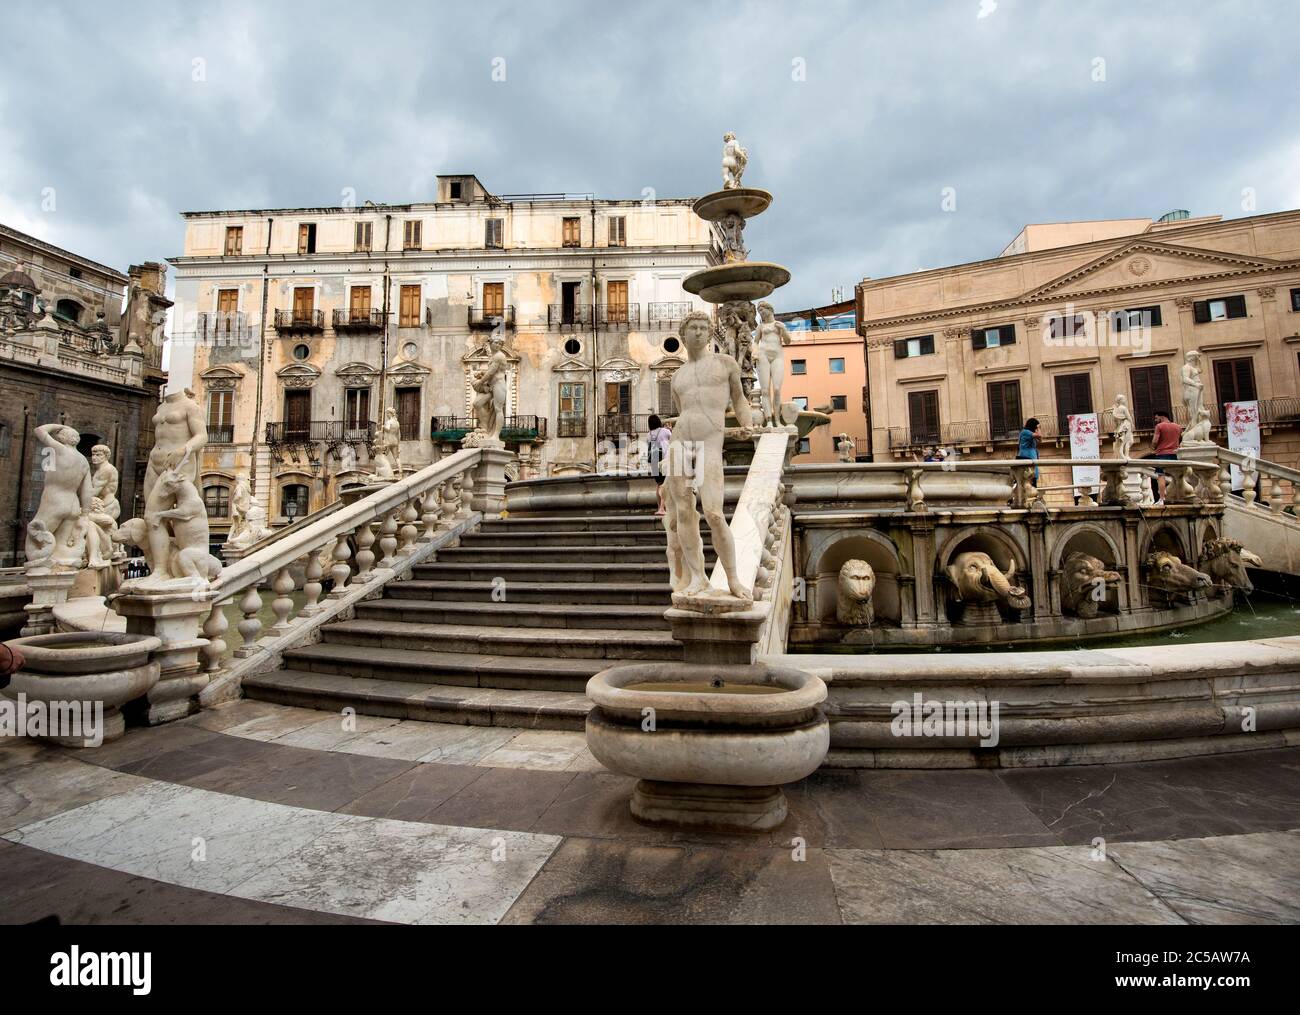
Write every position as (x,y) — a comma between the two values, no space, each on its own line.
(104,668)
(743,201)
(741,280)
(711,745)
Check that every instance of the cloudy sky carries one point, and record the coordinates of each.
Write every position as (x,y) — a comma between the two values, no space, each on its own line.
(857,115)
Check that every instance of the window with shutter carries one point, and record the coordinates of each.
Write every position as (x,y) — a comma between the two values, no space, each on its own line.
(573,232)
(1150,392)
(992,338)
(494,299)
(297,415)
(1222,309)
(234,241)
(221,406)
(1004,409)
(304,302)
(408,413)
(1295,299)
(1073,397)
(923,416)
(307,238)
(409,307)
(359,302)
(356,410)
(618,231)
(364,233)
(216,499)
(412,234)
(616,296)
(907,347)
(493,233)
(1234,381)
(667,403)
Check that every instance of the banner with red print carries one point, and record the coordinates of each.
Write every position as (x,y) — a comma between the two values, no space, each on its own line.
(1085,443)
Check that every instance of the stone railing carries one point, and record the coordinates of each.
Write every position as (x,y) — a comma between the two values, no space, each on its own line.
(1278,485)
(358,547)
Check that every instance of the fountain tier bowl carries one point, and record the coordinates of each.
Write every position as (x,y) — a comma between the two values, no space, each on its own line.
(711,745)
(741,280)
(743,201)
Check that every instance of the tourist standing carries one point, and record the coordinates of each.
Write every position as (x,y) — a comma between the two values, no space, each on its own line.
(1165,440)
(1028,445)
(658,440)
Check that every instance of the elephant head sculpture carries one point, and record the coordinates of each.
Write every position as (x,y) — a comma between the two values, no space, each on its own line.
(1084,581)
(1226,560)
(1166,573)
(978,580)
(856,584)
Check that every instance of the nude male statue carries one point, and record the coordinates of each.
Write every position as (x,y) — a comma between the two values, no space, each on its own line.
(57,534)
(702,387)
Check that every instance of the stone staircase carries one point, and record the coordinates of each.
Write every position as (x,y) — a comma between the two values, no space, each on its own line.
(503,630)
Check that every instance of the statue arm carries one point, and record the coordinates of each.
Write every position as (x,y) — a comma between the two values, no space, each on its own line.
(86,491)
(784,332)
(738,401)
(45,434)
(198,428)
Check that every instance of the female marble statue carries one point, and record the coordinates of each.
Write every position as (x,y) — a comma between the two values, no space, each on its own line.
(56,536)
(240,500)
(388,462)
(180,434)
(104,508)
(771,339)
(1193,389)
(490,385)
(1123,427)
(734,160)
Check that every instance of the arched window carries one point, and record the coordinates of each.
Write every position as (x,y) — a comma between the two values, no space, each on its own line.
(68,310)
(217,500)
(294,494)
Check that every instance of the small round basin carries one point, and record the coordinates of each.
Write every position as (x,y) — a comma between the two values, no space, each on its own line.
(80,652)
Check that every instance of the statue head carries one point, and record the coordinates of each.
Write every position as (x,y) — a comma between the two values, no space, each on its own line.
(1121,400)
(66,435)
(695,331)
(1193,356)
(100,453)
(728,136)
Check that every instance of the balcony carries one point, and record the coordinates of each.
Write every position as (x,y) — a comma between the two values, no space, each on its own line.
(571,426)
(331,432)
(574,316)
(299,320)
(451,428)
(616,424)
(358,320)
(221,434)
(229,328)
(490,317)
(618,315)
(974,431)
(666,316)
(531,429)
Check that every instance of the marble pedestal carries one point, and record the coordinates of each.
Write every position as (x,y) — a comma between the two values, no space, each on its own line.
(175,617)
(489,494)
(49,589)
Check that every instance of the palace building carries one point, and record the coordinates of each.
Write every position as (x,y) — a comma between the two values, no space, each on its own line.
(301,327)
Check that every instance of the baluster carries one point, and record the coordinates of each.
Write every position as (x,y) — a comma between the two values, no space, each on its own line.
(409,532)
(1295,497)
(365,555)
(341,571)
(214,628)
(388,538)
(1248,479)
(1225,481)
(430,513)
(464,492)
(312,586)
(282,604)
(450,494)
(1275,495)
(250,626)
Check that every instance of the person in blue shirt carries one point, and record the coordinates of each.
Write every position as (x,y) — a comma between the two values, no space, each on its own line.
(1029,443)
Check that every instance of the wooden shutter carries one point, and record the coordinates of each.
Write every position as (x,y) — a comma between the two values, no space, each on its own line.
(364,235)
(411,234)
(667,403)
(618,397)
(1201,311)
(307,238)
(357,409)
(1073,397)
(1235,306)
(220,408)
(494,298)
(927,345)
(410,307)
(1234,381)
(1004,409)
(304,301)
(297,414)
(1150,392)
(616,296)
(900,349)
(234,240)
(492,233)
(573,232)
(408,413)
(227,301)
(923,414)
(977,339)
(617,231)
(1007,334)
(360,301)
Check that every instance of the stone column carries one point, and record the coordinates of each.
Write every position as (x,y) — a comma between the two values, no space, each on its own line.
(929,610)
(176,617)
(489,495)
(1041,604)
(48,591)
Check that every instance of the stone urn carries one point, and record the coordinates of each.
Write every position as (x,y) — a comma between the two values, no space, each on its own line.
(98,671)
(711,745)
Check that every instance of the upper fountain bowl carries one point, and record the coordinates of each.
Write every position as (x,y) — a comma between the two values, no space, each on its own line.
(740,280)
(743,201)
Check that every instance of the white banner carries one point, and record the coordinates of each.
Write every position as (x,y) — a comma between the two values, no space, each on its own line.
(1242,422)
(1085,443)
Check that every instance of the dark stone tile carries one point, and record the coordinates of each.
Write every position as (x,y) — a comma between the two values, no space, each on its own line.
(1186,798)
(830,808)
(141,743)
(213,752)
(596,805)
(35,885)
(320,780)
(507,798)
(415,794)
(599,881)
(950,810)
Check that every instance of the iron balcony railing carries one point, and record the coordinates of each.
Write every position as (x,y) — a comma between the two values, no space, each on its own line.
(221,434)
(571,426)
(490,317)
(666,315)
(328,431)
(616,424)
(618,315)
(300,320)
(569,315)
(524,428)
(451,428)
(222,328)
(358,320)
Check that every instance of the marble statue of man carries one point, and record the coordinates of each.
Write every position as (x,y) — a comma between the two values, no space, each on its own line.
(734,160)
(1123,427)
(770,341)
(490,387)
(1193,389)
(702,388)
(390,440)
(241,498)
(104,508)
(56,535)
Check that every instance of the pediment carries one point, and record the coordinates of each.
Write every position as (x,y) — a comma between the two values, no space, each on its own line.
(408,369)
(483,352)
(669,362)
(298,375)
(221,378)
(1144,263)
(619,363)
(570,364)
(357,372)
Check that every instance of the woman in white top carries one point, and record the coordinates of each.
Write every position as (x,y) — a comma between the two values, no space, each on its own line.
(657,442)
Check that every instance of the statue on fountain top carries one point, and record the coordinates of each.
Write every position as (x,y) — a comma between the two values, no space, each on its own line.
(734,160)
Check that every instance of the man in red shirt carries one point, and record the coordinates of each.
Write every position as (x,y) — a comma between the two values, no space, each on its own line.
(1164,445)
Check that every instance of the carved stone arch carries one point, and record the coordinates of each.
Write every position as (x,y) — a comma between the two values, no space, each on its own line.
(988,534)
(357,375)
(1057,552)
(828,551)
(1165,536)
(821,546)
(298,375)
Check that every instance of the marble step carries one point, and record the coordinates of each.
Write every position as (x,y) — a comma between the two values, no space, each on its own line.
(473,706)
(511,571)
(574,523)
(574,593)
(565,643)
(547,616)
(455,669)
(606,553)
(567,537)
